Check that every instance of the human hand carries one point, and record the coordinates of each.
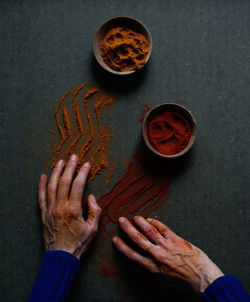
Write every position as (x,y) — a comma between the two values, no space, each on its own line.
(169,255)
(61,209)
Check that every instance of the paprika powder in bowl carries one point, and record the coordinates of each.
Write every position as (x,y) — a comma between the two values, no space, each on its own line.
(169,130)
(122,45)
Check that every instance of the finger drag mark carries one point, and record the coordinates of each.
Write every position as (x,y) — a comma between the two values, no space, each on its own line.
(81,130)
(142,190)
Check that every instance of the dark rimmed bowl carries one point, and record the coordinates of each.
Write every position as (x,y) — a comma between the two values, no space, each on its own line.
(171,107)
(129,22)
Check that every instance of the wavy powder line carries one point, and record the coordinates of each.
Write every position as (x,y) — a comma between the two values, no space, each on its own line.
(78,118)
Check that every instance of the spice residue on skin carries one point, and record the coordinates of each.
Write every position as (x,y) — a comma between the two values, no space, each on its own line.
(81,131)
(169,132)
(143,189)
(123,49)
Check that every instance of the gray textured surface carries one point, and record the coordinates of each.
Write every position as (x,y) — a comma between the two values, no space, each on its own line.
(201,58)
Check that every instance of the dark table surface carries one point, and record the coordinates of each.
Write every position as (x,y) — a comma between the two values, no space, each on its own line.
(200,58)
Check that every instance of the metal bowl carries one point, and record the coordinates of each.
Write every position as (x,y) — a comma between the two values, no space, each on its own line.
(171,107)
(128,22)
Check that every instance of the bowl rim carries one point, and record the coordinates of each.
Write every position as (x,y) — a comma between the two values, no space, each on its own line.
(191,140)
(96,50)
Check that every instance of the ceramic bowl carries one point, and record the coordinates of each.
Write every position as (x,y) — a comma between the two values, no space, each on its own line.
(128,22)
(171,107)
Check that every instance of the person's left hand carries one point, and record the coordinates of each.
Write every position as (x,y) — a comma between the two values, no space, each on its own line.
(61,209)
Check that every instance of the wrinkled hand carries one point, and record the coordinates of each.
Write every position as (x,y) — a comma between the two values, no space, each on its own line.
(61,209)
(169,254)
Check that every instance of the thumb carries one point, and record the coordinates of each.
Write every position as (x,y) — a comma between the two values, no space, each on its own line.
(94,211)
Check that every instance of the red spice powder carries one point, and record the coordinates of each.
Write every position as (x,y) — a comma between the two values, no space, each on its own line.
(145,110)
(169,132)
(139,191)
(143,189)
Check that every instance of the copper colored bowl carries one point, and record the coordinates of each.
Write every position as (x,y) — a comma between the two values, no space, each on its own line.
(129,22)
(171,107)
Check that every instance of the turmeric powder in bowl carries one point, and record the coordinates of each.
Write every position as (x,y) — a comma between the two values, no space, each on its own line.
(123,49)
(122,45)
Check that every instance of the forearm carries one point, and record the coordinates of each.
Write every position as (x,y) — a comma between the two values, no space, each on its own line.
(226,289)
(57,272)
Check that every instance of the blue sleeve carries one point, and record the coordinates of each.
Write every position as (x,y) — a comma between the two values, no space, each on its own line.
(226,289)
(55,277)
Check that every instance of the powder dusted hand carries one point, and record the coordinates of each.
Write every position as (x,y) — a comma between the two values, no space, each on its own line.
(169,254)
(61,209)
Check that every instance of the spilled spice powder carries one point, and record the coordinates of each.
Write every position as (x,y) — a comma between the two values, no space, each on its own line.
(143,189)
(169,132)
(123,49)
(145,110)
(80,129)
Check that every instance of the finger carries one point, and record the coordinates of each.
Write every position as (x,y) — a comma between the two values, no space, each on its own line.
(53,183)
(133,255)
(42,192)
(78,186)
(135,235)
(162,228)
(149,230)
(66,180)
(94,212)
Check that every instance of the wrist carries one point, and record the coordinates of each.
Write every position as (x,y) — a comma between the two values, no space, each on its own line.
(208,273)
(75,251)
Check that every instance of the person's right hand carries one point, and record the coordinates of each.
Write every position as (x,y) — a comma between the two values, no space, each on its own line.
(169,254)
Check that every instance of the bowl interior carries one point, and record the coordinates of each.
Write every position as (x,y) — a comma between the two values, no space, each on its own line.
(174,108)
(128,22)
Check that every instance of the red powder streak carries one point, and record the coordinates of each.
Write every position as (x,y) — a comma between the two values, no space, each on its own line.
(169,132)
(141,191)
(134,191)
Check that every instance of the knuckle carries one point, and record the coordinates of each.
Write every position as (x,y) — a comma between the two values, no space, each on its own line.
(41,201)
(59,212)
(152,268)
(150,232)
(73,212)
(94,229)
(64,181)
(78,182)
(135,237)
(166,235)
(51,189)
(98,210)
(161,257)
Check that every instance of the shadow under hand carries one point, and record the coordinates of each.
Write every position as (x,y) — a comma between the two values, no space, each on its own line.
(117,83)
(142,285)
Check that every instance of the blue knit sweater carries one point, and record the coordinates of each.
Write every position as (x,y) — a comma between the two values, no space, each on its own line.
(59,268)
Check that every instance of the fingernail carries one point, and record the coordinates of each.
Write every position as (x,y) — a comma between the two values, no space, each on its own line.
(114,239)
(59,164)
(138,217)
(121,219)
(149,219)
(43,177)
(86,165)
(73,157)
